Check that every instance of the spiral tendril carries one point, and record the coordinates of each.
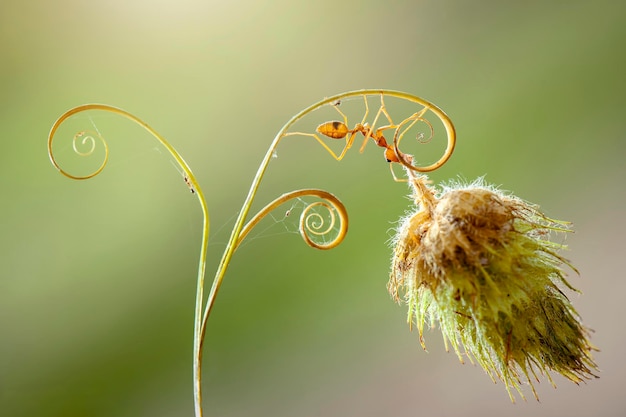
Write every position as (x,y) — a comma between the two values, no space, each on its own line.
(313,223)
(86,137)
(421,138)
(411,121)
(310,223)
(83,144)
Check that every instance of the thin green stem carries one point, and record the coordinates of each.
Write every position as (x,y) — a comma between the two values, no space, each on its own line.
(193,183)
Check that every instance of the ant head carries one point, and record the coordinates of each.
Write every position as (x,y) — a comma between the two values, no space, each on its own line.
(390,155)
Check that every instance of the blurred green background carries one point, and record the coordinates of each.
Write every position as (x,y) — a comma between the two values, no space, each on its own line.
(97,278)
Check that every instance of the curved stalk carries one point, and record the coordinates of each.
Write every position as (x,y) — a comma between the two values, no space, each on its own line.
(191,181)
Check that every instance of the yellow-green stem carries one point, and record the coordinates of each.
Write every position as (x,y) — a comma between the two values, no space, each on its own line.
(191,179)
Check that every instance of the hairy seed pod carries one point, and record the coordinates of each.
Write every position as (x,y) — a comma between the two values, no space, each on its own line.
(480,264)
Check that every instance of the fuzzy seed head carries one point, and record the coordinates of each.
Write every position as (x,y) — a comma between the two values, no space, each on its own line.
(480,264)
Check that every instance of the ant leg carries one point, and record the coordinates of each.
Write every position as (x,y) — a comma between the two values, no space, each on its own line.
(343,116)
(367,109)
(333,130)
(350,137)
(393,174)
(377,136)
(336,132)
(313,135)
(349,142)
(384,109)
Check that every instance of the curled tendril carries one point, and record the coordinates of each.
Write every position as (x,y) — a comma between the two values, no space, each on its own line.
(83,144)
(421,138)
(310,223)
(313,223)
(407,159)
(411,121)
(88,139)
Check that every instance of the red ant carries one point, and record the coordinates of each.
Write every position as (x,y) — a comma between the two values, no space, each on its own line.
(339,130)
(336,129)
